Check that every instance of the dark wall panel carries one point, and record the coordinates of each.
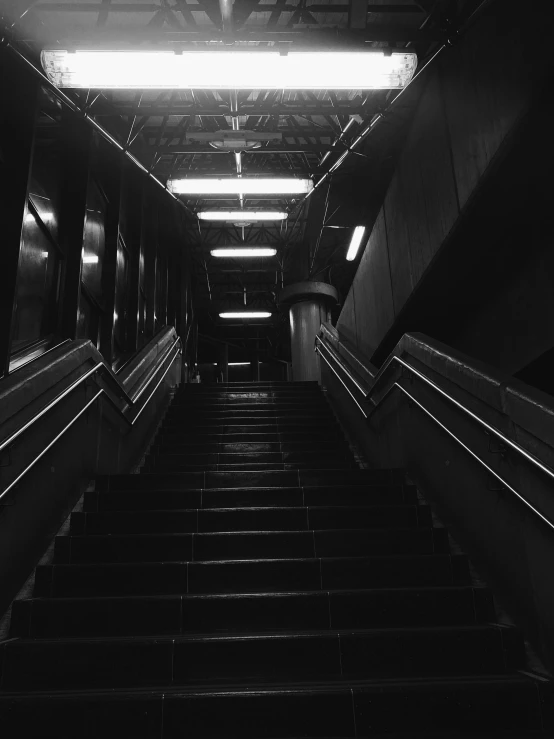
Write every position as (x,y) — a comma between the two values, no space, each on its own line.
(472,102)
(373,291)
(398,243)
(526,304)
(486,85)
(347,320)
(431,204)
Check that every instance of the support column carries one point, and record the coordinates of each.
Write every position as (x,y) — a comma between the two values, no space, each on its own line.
(308,304)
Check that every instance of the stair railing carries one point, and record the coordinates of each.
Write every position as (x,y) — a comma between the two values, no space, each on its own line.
(115,394)
(363,391)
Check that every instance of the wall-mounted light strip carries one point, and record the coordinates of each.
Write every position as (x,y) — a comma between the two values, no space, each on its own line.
(235,364)
(264,69)
(355,242)
(241,186)
(243,251)
(245,314)
(248,216)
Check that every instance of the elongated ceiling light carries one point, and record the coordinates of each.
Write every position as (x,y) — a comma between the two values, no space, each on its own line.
(355,242)
(241,186)
(230,69)
(235,364)
(248,216)
(246,314)
(245,251)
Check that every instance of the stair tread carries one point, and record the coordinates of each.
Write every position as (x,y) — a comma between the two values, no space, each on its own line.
(280,593)
(267,467)
(207,636)
(419,683)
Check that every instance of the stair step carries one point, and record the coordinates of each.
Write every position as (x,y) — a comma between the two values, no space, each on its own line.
(323,464)
(252,545)
(249,447)
(249,519)
(253,467)
(252,581)
(316,456)
(292,657)
(271,408)
(487,704)
(205,418)
(128,500)
(240,576)
(143,616)
(303,478)
(309,430)
(316,436)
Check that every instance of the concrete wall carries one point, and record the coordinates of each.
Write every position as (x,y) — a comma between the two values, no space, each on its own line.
(470,119)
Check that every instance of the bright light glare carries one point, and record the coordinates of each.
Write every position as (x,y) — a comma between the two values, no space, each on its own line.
(230,69)
(235,216)
(251,314)
(241,186)
(243,251)
(90,259)
(234,364)
(355,242)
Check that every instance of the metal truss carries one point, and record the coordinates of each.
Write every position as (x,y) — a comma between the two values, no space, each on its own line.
(317,128)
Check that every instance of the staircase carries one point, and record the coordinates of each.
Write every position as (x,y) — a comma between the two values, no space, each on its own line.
(253,582)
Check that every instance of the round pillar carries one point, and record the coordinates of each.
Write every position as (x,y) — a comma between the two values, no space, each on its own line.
(309,305)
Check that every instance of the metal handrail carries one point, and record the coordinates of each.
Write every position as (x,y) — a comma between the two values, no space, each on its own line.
(40,356)
(343,367)
(10,439)
(339,377)
(97,368)
(490,429)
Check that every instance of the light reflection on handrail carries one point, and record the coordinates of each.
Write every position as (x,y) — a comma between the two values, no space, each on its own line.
(98,367)
(490,429)
(341,381)
(475,456)
(344,369)
(10,439)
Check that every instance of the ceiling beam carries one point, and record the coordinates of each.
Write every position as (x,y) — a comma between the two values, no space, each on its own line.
(102,110)
(316,38)
(84,7)
(286,149)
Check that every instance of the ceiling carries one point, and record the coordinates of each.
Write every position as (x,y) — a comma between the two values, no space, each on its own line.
(314,129)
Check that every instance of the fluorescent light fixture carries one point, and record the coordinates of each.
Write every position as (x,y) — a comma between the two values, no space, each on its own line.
(90,259)
(241,186)
(234,364)
(355,242)
(234,216)
(245,251)
(246,314)
(230,69)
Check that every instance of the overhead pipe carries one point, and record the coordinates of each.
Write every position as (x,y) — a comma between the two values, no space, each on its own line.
(383,114)
(226,8)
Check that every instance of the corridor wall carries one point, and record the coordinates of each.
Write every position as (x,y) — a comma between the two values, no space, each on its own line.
(457,230)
